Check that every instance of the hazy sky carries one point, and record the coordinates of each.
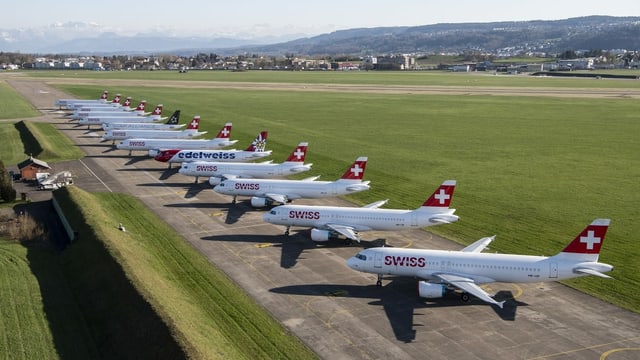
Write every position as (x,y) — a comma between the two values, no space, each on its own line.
(274,17)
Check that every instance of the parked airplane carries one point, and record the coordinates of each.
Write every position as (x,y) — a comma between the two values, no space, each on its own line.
(255,151)
(218,171)
(69,102)
(154,146)
(124,110)
(171,124)
(156,115)
(468,268)
(190,132)
(107,104)
(332,222)
(265,192)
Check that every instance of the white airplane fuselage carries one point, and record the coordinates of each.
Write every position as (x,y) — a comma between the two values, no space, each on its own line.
(481,267)
(164,144)
(360,219)
(99,120)
(184,156)
(293,189)
(140,126)
(151,134)
(249,170)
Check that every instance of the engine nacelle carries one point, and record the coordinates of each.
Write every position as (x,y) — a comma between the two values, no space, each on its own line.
(154,152)
(260,202)
(430,290)
(214,180)
(325,235)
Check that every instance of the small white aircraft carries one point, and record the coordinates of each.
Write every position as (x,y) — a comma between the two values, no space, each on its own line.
(171,124)
(115,103)
(468,268)
(255,151)
(156,115)
(68,102)
(124,110)
(192,131)
(154,146)
(333,222)
(265,192)
(217,171)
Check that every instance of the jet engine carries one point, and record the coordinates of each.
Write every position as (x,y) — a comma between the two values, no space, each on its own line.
(154,152)
(325,235)
(260,202)
(214,180)
(430,290)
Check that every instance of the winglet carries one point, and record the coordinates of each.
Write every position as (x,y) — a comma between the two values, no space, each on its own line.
(356,170)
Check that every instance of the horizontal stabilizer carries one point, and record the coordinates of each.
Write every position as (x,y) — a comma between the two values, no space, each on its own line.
(592,272)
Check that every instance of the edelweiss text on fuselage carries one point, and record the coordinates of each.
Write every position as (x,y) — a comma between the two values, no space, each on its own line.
(206,155)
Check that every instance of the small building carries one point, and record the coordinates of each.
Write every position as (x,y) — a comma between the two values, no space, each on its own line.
(31,167)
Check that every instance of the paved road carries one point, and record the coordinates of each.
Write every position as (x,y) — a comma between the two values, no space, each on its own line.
(340,313)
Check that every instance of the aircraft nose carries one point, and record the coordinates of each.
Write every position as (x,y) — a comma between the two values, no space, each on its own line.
(353,263)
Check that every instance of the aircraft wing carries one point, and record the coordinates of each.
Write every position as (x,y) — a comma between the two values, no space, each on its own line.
(347,231)
(468,285)
(377,204)
(479,245)
(280,198)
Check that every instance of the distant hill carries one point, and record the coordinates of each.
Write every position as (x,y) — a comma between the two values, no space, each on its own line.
(509,37)
(583,33)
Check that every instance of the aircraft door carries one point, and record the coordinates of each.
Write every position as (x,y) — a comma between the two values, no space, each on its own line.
(414,220)
(377,261)
(334,189)
(553,270)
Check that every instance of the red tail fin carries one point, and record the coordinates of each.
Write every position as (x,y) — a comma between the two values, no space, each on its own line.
(442,196)
(356,170)
(259,143)
(225,132)
(104,95)
(299,153)
(157,110)
(590,239)
(195,123)
(116,100)
(127,102)
(166,155)
(141,106)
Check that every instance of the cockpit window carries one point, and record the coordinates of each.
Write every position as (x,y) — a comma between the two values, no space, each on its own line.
(272,212)
(361,257)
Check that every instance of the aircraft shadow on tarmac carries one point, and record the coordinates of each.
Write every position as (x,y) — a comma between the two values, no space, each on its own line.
(399,300)
(293,246)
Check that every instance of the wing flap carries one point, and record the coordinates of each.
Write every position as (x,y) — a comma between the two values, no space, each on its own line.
(280,198)
(468,285)
(346,231)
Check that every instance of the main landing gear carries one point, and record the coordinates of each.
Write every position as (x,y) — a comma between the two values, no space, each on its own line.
(286,232)
(465,297)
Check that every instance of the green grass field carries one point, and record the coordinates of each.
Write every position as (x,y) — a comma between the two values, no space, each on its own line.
(42,140)
(207,314)
(13,105)
(532,170)
(39,318)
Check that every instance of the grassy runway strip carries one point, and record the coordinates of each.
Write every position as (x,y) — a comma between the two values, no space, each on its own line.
(13,105)
(41,140)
